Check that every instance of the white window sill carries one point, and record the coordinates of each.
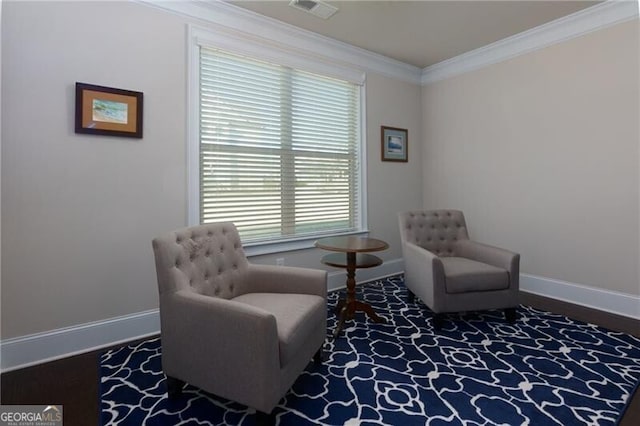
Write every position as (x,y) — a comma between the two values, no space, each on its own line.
(258,249)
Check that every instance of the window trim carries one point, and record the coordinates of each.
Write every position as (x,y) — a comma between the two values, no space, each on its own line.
(260,248)
(308,61)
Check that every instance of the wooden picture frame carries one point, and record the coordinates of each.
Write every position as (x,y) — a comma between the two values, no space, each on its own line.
(394,144)
(108,111)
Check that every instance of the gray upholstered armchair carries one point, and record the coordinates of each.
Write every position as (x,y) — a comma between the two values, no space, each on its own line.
(238,330)
(451,273)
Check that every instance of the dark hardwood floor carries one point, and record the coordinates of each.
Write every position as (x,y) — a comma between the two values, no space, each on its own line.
(73,382)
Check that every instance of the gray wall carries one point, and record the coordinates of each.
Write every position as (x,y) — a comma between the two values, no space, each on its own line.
(79,211)
(541,153)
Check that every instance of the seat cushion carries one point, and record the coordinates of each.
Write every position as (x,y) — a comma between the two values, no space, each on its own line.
(464,275)
(297,316)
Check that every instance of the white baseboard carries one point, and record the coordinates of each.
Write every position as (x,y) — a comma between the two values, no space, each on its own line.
(615,302)
(38,348)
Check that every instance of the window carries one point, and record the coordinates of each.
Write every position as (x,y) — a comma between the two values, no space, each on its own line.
(279,149)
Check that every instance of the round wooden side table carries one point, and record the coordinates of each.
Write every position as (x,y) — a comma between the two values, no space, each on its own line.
(352,253)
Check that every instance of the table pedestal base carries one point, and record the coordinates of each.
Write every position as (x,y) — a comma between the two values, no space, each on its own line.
(351,255)
(345,310)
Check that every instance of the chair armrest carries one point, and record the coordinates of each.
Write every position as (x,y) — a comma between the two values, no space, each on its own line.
(424,272)
(491,255)
(287,279)
(225,338)
(417,254)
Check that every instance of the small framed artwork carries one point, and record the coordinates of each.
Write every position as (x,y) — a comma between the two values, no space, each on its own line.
(108,111)
(395,144)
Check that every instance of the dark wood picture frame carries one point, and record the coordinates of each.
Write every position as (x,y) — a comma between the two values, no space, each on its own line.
(108,111)
(394,144)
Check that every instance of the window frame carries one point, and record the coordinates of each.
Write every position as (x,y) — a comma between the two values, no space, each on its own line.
(300,59)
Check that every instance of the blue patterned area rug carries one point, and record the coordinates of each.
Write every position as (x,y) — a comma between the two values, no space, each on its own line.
(478,370)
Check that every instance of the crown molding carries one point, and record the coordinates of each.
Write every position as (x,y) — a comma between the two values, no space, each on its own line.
(256,27)
(272,52)
(233,19)
(588,20)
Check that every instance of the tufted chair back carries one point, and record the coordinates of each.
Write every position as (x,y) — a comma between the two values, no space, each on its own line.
(435,230)
(206,259)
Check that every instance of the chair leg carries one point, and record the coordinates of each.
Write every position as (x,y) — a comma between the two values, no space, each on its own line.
(511,315)
(174,387)
(265,419)
(320,356)
(411,297)
(438,320)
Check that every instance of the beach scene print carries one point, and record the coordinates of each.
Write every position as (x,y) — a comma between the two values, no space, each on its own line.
(394,145)
(110,111)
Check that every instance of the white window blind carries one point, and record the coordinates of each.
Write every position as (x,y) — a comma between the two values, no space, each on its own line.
(279,149)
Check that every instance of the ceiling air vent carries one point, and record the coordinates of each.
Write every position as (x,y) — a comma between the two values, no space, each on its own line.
(315,7)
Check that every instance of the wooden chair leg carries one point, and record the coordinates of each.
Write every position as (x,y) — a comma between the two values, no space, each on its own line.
(174,387)
(320,356)
(411,297)
(511,315)
(438,320)
(342,318)
(265,419)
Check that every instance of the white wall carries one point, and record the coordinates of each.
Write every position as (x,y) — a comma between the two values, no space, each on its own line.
(79,211)
(541,153)
(1,3)
(392,186)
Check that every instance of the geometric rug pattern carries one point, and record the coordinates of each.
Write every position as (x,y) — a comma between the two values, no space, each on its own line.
(545,369)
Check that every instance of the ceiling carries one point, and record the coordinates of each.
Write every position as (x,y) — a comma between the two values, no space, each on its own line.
(421,33)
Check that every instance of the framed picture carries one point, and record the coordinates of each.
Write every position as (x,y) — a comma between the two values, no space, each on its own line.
(395,144)
(108,111)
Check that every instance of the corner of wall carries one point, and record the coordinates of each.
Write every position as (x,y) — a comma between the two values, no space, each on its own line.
(594,18)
